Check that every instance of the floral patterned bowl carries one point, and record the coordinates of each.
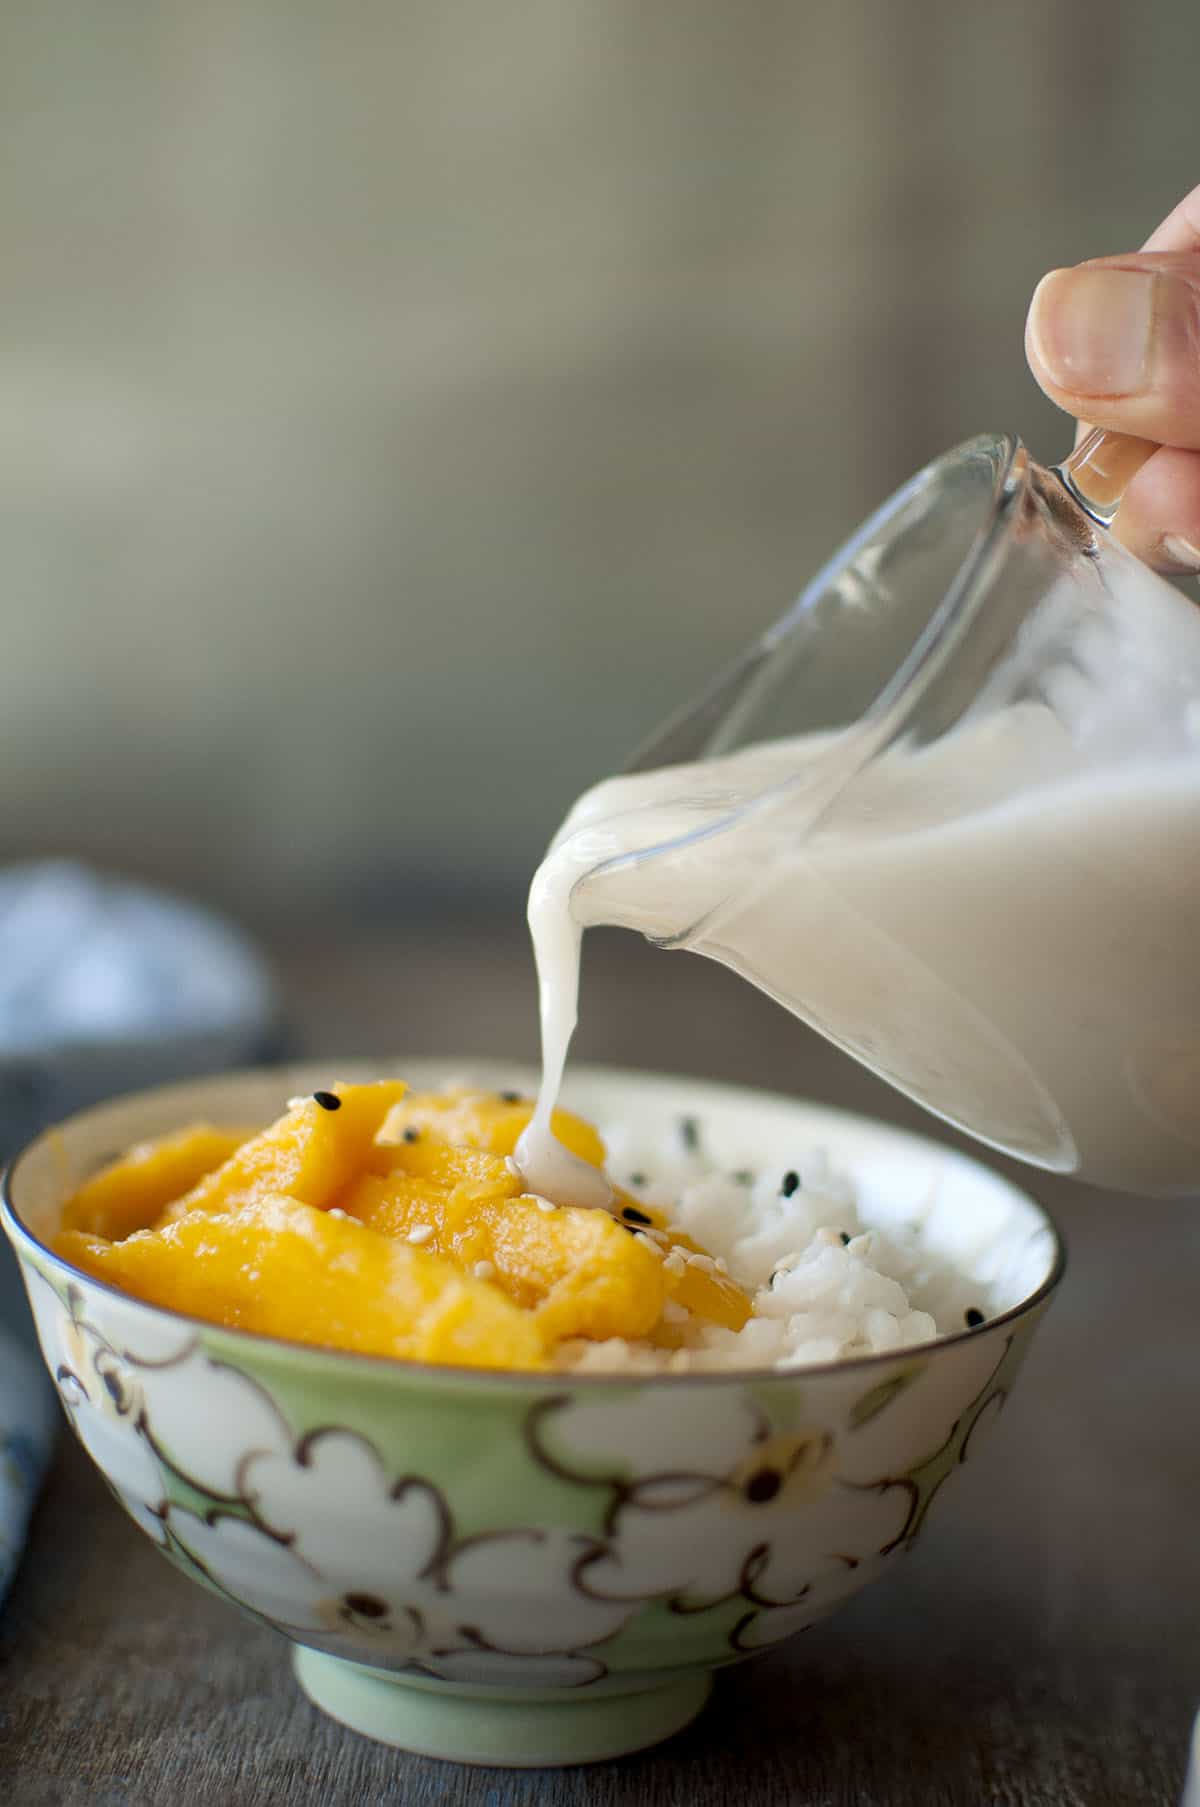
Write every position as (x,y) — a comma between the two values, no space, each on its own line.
(526,1569)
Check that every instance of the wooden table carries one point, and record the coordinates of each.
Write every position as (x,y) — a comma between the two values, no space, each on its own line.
(1040,1646)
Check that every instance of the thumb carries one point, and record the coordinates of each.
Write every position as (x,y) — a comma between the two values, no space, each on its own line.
(1117,340)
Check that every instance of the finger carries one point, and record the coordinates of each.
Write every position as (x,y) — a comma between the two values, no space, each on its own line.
(1180,231)
(1159,516)
(1117,341)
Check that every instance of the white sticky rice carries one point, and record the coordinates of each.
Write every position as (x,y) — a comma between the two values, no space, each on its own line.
(825,1286)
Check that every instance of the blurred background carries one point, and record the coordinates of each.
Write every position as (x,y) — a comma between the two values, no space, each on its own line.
(401,407)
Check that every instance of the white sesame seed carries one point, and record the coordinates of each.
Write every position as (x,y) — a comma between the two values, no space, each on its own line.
(722,1266)
(675,1263)
(484,1270)
(641,1236)
(337,1212)
(420,1232)
(546,1205)
(705,1262)
(513,1165)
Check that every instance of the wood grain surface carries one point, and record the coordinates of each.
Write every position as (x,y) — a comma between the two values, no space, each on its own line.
(1038,1649)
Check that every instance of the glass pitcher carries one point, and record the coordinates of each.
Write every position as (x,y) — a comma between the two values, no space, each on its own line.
(947,811)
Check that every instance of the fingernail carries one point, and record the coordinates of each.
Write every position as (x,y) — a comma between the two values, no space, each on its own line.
(1180,554)
(1091,329)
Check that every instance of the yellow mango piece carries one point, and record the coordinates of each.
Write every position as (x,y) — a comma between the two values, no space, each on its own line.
(454,1221)
(310,1153)
(581,1271)
(370,1220)
(702,1290)
(492,1121)
(283,1268)
(396,1203)
(593,1278)
(430,1159)
(708,1294)
(129,1193)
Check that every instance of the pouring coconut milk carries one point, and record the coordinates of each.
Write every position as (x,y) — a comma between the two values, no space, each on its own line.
(1000,918)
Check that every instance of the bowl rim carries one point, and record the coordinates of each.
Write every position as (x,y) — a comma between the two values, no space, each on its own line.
(523,1380)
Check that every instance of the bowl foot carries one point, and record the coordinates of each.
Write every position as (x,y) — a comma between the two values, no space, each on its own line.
(489,1726)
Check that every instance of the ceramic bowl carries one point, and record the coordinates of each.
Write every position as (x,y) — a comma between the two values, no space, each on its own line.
(527,1569)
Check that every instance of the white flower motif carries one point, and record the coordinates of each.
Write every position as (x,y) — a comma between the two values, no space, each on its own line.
(102,1403)
(707,1430)
(915,1419)
(761,1629)
(104,1415)
(518,1592)
(709,1505)
(206,1419)
(768,1529)
(169,1404)
(339,1555)
(708,1501)
(266,1575)
(316,1537)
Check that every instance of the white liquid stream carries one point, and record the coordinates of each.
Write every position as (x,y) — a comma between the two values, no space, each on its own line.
(1005,924)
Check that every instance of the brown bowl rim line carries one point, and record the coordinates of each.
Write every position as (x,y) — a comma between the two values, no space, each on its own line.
(520,1380)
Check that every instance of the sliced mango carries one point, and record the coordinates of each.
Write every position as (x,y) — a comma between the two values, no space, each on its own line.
(581,1272)
(589,1276)
(392,1224)
(310,1153)
(283,1268)
(129,1193)
(432,1160)
(493,1121)
(700,1288)
(477,1121)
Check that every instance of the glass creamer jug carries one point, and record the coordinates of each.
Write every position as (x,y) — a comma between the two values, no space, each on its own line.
(947,811)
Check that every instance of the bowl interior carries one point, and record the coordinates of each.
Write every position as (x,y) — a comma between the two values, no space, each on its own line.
(992,1232)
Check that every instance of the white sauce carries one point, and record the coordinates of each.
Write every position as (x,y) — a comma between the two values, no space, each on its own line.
(1004,924)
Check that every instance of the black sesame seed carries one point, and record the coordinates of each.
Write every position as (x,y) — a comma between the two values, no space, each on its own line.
(631,1214)
(763,1486)
(974,1318)
(368,1606)
(845,1238)
(411,1134)
(790,1183)
(510,1097)
(328,1101)
(689,1133)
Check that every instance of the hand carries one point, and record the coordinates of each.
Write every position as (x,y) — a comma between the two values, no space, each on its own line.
(1116,341)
